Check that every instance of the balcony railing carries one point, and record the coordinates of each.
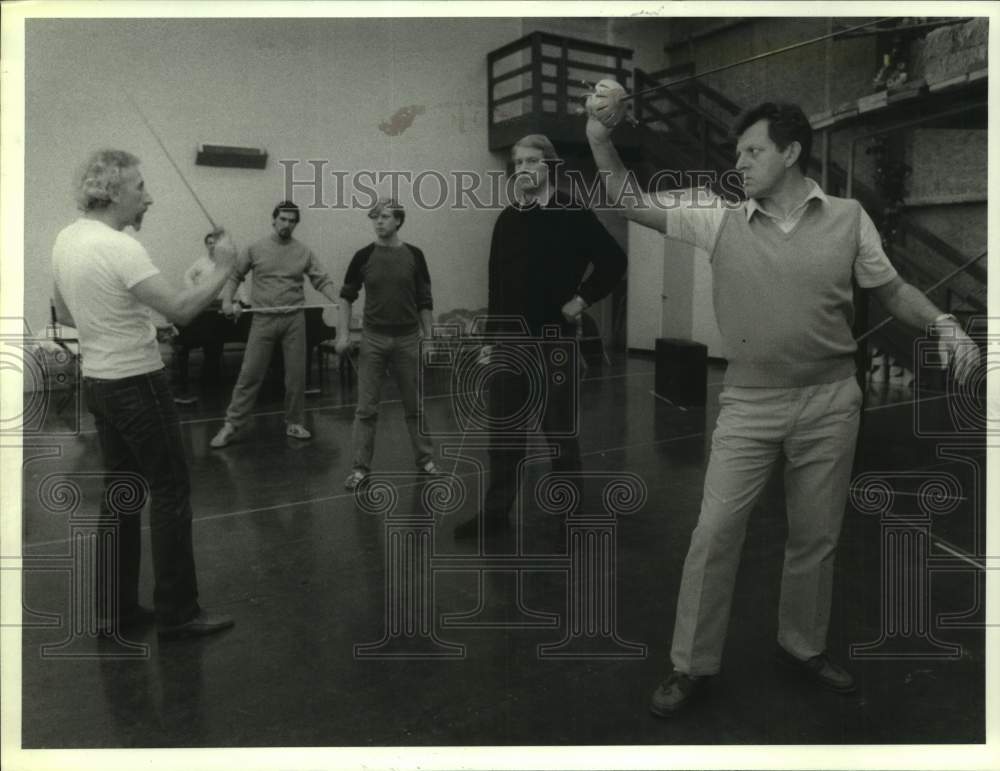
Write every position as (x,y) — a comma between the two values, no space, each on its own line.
(538,83)
(692,113)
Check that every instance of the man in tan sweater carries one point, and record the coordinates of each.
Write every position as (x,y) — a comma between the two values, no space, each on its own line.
(280,265)
(782,264)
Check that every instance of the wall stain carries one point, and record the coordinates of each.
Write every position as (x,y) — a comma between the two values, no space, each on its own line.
(401,120)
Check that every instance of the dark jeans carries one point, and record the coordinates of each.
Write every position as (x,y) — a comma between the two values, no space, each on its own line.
(509,392)
(210,367)
(204,332)
(402,353)
(140,433)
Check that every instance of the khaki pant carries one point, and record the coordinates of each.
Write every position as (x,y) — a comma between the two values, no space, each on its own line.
(267,329)
(816,428)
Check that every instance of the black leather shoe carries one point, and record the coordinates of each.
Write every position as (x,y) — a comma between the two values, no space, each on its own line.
(821,670)
(204,623)
(676,692)
(136,618)
(469,530)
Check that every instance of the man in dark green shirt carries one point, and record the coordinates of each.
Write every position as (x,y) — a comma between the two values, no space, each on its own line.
(398,310)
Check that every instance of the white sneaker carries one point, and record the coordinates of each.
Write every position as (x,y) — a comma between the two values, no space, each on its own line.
(355,478)
(297,431)
(431,469)
(225,435)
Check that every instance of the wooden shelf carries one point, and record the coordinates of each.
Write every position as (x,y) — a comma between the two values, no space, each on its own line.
(910,96)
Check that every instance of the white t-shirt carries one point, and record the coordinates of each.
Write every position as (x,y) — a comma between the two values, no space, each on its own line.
(94,267)
(194,274)
(203,266)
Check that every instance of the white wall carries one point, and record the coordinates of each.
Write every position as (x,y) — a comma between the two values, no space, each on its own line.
(645,287)
(301,89)
(670,292)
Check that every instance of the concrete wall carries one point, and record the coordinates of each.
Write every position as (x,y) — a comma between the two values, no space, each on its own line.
(818,76)
(670,291)
(951,49)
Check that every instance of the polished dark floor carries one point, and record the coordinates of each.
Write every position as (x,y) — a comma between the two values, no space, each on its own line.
(316,659)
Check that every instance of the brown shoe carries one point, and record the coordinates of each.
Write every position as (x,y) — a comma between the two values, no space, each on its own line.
(675,693)
(204,623)
(821,670)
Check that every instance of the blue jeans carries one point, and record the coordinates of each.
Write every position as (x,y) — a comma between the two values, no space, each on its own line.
(402,353)
(140,433)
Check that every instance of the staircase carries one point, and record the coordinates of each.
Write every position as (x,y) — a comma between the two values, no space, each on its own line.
(537,84)
(688,129)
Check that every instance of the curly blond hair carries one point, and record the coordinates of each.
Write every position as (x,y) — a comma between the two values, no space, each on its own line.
(99,177)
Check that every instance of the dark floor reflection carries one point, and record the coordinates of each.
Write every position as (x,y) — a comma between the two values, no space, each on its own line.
(363,623)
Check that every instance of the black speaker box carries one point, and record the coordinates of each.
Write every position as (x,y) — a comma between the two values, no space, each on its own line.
(234,157)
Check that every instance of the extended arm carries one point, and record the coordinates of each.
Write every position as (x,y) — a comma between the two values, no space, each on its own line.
(909,305)
(320,280)
(236,275)
(425,299)
(343,326)
(603,114)
(181,307)
(426,322)
(191,275)
(353,281)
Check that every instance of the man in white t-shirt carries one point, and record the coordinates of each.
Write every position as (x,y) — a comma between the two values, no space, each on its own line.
(202,268)
(105,286)
(206,331)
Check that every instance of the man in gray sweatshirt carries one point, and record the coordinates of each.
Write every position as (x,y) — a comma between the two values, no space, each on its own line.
(280,264)
(782,264)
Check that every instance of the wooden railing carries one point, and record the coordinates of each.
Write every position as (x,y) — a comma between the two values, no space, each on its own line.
(548,74)
(690,111)
(699,118)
